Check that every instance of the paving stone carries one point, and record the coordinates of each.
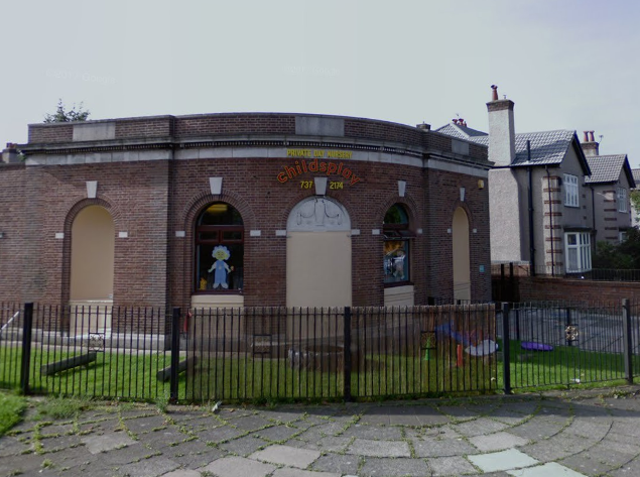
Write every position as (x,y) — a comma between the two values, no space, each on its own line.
(551,469)
(238,467)
(107,442)
(12,446)
(250,423)
(430,447)
(243,446)
(195,460)
(373,432)
(588,428)
(72,457)
(460,414)
(142,424)
(371,448)
(502,461)
(183,473)
(302,473)
(479,427)
(345,464)
(53,444)
(394,467)
(220,434)
(277,433)
(333,444)
(123,456)
(153,467)
(537,429)
(451,466)
(497,441)
(587,464)
(26,464)
(286,455)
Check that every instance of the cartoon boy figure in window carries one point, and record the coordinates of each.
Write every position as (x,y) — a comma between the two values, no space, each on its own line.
(220,253)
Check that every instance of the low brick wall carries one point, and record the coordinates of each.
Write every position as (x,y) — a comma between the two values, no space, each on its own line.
(575,290)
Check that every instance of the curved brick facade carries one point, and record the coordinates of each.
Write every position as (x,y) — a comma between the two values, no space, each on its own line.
(153,177)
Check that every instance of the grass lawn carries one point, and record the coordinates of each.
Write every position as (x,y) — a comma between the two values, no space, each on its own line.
(11,409)
(245,377)
(112,375)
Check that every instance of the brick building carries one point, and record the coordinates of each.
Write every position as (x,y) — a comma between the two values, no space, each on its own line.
(243,209)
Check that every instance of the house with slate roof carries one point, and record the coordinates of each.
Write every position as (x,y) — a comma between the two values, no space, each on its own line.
(541,211)
(611,182)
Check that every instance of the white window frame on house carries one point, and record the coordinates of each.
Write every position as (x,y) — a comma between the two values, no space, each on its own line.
(622,236)
(578,252)
(622,199)
(571,191)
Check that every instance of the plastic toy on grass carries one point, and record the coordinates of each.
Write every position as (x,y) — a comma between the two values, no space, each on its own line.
(472,347)
(533,346)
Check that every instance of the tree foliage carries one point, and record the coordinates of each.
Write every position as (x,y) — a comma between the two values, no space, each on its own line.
(63,115)
(635,203)
(625,255)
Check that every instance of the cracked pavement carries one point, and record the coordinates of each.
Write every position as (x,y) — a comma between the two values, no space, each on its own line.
(578,433)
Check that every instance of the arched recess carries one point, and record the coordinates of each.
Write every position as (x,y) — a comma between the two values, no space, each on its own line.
(92,269)
(319,254)
(461,256)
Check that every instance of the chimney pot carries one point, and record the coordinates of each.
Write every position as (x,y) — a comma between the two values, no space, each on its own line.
(591,136)
(494,95)
(586,136)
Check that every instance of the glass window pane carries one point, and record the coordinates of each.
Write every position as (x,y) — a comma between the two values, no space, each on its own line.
(208,236)
(224,271)
(396,261)
(573,259)
(396,215)
(572,239)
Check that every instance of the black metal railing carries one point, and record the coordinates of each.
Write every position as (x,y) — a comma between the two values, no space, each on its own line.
(270,353)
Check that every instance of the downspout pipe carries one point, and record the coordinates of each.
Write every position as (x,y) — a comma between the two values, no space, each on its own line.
(553,259)
(532,249)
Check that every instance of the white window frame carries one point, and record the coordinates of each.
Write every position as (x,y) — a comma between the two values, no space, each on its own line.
(577,252)
(622,236)
(571,191)
(622,199)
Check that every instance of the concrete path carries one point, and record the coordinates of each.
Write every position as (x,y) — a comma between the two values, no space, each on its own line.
(595,433)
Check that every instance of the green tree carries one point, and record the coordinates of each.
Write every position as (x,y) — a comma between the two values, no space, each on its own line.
(635,203)
(62,115)
(623,256)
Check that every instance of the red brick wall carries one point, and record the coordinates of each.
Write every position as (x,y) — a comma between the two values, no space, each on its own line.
(12,226)
(575,290)
(135,194)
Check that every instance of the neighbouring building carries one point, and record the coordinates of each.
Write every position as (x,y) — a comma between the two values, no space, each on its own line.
(611,182)
(248,209)
(540,203)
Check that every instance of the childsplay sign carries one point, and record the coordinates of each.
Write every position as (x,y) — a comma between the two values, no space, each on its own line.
(330,168)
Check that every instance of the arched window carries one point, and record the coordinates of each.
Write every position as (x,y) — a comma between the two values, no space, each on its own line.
(397,254)
(219,244)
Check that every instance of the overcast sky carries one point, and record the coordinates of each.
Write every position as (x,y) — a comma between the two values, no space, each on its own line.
(567,64)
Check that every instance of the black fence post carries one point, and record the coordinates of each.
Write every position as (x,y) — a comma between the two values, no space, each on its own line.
(175,355)
(568,333)
(347,353)
(628,345)
(506,350)
(25,367)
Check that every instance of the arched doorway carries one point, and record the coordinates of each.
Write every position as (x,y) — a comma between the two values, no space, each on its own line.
(461,256)
(92,270)
(319,254)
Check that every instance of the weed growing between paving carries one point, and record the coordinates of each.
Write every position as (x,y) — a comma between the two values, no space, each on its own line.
(12,408)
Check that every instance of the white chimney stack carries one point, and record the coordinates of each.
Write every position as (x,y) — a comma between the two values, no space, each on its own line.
(502,132)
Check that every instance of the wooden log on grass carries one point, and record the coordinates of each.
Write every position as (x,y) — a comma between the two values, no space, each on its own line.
(165,374)
(69,363)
